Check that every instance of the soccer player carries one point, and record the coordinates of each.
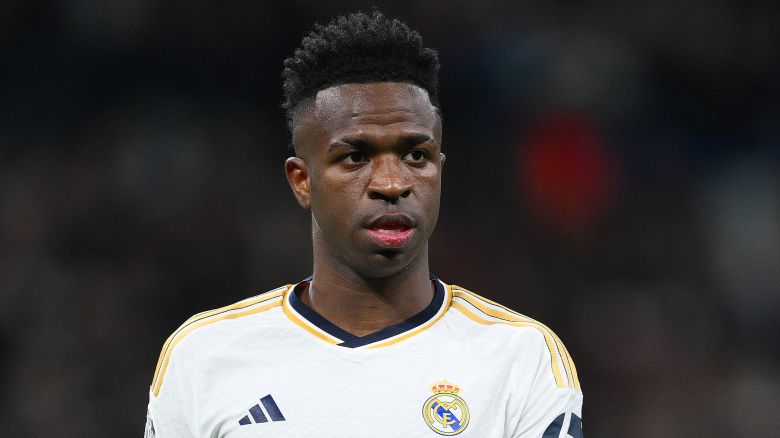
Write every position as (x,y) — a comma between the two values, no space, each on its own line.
(372,344)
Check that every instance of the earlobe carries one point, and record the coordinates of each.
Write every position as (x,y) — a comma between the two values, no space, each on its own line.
(297,172)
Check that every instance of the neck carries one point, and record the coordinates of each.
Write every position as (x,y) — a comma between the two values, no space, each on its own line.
(361,305)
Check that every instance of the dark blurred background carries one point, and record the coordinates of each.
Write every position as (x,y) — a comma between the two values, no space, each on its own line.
(613,169)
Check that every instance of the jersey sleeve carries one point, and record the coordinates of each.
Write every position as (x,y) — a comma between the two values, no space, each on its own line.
(172,403)
(553,406)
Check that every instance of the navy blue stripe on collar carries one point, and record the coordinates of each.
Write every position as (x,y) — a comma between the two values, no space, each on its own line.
(317,319)
(351,341)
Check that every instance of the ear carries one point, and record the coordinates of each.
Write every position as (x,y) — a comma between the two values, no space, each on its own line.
(297,172)
(443,158)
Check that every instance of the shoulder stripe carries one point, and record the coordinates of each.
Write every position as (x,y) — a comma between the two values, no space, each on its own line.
(210,317)
(571,366)
(554,359)
(236,306)
(568,363)
(502,314)
(483,306)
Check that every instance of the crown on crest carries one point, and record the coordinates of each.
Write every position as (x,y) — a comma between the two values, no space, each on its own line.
(445,387)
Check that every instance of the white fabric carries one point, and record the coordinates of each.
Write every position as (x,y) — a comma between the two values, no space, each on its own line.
(220,364)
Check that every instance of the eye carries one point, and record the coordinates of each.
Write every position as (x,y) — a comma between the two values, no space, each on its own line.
(416,155)
(353,157)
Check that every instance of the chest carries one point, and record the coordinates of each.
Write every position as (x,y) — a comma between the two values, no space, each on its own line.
(303,393)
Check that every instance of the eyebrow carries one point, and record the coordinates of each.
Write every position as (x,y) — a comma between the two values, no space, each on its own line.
(362,142)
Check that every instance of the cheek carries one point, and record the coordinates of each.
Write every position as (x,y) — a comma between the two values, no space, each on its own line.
(429,181)
(430,174)
(336,192)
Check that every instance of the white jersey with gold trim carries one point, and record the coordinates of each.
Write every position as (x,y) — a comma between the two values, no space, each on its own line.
(269,366)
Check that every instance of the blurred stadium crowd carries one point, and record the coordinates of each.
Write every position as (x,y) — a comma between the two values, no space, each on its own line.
(613,170)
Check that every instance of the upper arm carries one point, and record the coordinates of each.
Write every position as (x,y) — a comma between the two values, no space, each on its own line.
(171,409)
(553,414)
(549,409)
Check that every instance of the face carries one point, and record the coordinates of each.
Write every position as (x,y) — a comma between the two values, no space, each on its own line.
(369,169)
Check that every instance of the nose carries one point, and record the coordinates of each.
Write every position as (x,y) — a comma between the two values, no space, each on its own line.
(389,179)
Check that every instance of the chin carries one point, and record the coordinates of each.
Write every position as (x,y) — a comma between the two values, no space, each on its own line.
(386,263)
(391,253)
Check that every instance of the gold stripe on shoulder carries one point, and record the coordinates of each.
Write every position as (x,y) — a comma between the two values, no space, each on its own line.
(239,305)
(554,360)
(568,362)
(554,343)
(515,316)
(210,317)
(475,299)
(512,315)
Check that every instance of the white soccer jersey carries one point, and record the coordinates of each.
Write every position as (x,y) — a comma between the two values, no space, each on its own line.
(269,366)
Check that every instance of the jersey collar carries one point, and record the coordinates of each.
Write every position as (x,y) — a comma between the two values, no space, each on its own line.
(316,324)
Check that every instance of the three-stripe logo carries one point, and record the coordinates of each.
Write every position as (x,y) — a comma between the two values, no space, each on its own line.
(257,414)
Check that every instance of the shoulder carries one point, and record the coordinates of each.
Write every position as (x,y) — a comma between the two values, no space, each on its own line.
(207,330)
(525,334)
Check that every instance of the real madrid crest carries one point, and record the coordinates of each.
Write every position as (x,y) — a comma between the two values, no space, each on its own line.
(445,412)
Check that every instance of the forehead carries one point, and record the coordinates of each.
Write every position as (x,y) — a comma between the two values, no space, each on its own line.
(381,108)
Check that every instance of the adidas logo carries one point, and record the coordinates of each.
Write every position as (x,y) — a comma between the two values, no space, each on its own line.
(257,414)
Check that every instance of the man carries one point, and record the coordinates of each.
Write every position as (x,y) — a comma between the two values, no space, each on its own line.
(371,344)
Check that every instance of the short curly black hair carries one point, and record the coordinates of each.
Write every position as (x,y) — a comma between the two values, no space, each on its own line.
(358,48)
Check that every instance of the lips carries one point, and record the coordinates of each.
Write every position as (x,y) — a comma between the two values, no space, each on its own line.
(391,230)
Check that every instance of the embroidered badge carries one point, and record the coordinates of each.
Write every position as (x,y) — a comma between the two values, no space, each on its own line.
(445,412)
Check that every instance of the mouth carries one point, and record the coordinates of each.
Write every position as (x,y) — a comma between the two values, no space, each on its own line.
(391,230)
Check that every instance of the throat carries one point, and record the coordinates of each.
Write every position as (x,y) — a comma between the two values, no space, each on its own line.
(361,311)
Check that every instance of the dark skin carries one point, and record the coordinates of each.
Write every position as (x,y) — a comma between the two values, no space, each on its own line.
(368,154)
